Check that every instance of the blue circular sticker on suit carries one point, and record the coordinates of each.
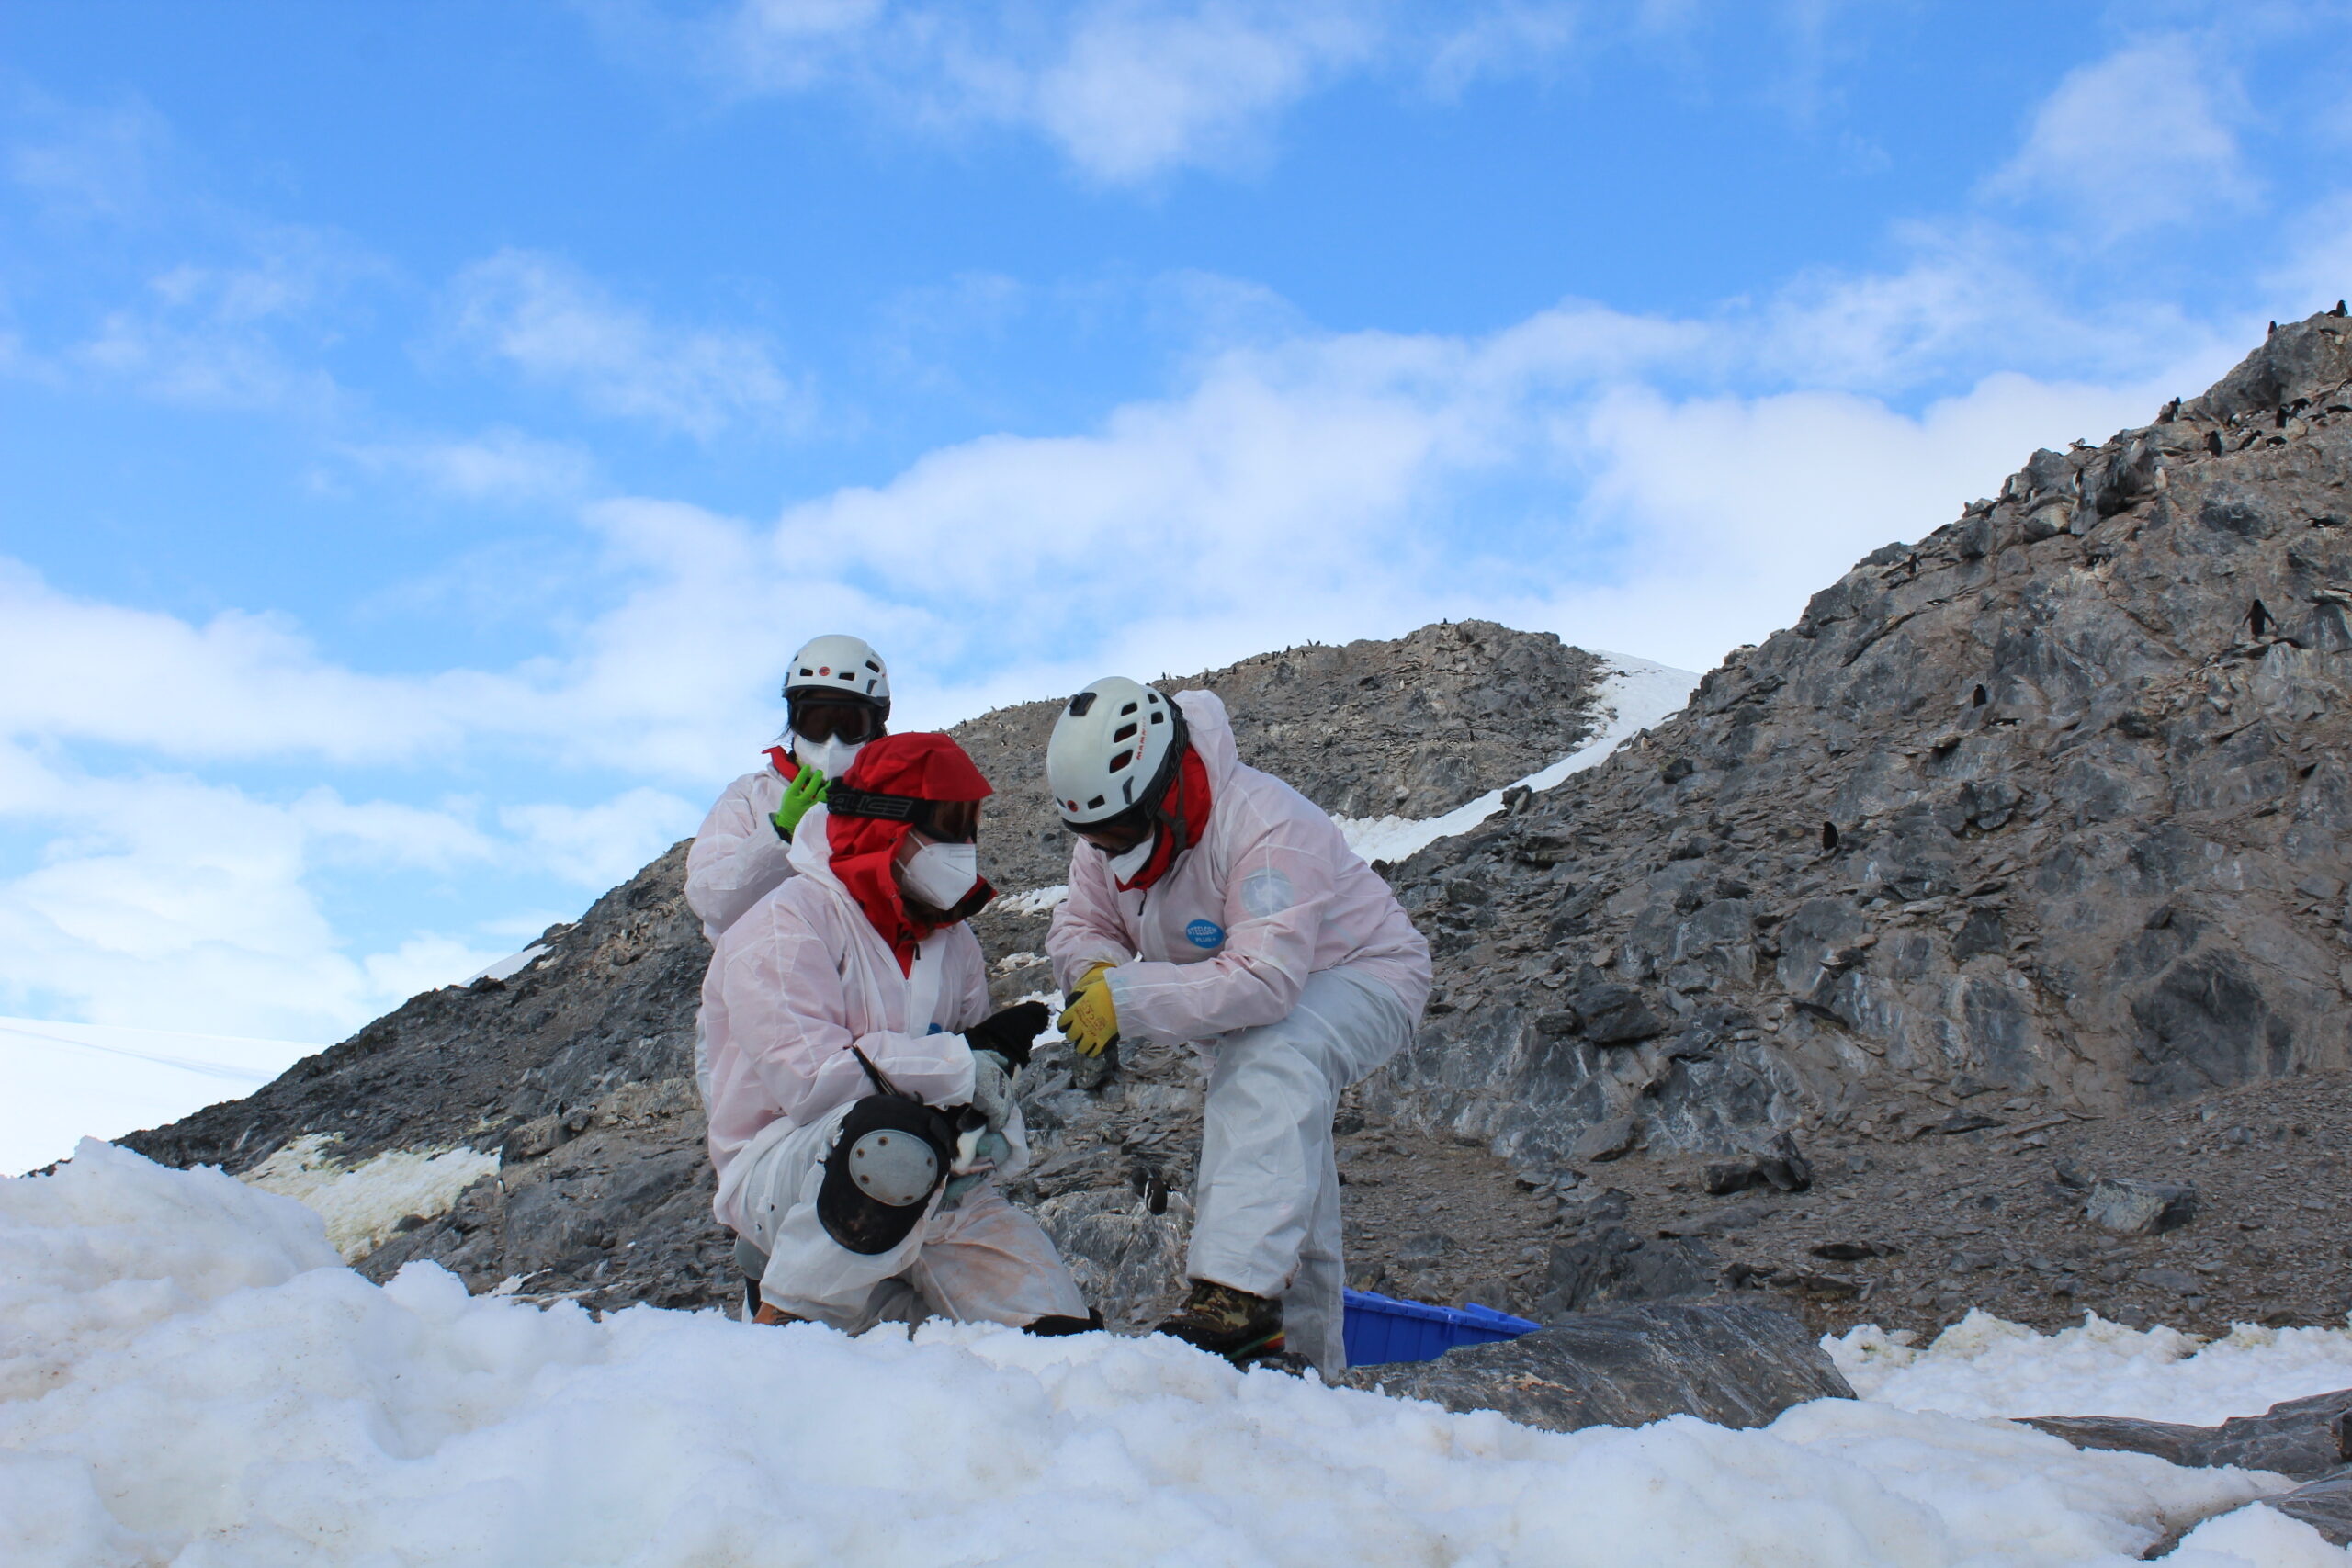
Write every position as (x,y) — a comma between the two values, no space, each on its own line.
(1204,933)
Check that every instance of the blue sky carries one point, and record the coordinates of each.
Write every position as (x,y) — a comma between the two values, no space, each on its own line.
(426,429)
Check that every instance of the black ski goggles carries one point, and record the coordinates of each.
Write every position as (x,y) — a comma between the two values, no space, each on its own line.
(847,720)
(940,821)
(1117,835)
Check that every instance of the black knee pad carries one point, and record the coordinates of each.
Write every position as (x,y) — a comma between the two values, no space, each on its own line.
(890,1157)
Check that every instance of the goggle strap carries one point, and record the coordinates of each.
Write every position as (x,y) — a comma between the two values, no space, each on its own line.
(843,801)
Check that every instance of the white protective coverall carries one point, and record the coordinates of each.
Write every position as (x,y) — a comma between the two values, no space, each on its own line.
(1286,961)
(793,984)
(737,859)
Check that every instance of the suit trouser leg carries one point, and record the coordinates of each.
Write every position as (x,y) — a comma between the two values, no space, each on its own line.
(1267,1203)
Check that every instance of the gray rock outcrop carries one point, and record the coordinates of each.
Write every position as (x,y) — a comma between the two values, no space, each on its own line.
(1408,728)
(1734,1364)
(2299,1438)
(2053,804)
(2326,1505)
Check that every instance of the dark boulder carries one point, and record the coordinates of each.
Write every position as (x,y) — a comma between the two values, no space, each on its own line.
(2301,1437)
(1734,1365)
(2326,1505)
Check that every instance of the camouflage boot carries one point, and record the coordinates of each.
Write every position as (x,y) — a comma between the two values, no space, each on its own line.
(1229,1323)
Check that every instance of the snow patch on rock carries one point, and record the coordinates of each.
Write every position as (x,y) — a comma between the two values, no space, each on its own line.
(1635,695)
(1984,1367)
(363,1204)
(1036,901)
(511,965)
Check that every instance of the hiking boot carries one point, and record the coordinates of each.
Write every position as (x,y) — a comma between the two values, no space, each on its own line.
(1226,1322)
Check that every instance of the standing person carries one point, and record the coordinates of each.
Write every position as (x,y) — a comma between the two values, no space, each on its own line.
(837,698)
(1213,904)
(860,1088)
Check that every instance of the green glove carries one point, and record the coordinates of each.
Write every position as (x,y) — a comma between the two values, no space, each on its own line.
(807,789)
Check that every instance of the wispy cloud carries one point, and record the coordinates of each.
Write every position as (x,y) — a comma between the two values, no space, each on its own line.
(557,327)
(2140,140)
(1126,90)
(81,163)
(502,465)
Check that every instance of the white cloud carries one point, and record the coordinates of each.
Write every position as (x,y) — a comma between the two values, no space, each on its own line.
(560,328)
(2317,268)
(85,164)
(166,902)
(600,846)
(2139,140)
(1126,90)
(500,465)
(241,333)
(1138,88)
(240,685)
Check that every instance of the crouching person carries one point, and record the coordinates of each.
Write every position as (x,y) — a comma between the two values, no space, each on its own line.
(861,1090)
(1213,904)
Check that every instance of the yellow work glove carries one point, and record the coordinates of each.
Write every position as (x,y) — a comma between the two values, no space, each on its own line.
(1091,1022)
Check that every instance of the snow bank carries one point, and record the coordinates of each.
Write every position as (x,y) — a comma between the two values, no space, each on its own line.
(1636,693)
(514,964)
(186,1377)
(1983,1367)
(66,1081)
(361,1205)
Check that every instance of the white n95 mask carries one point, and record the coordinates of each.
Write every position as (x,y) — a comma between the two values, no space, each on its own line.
(1129,867)
(940,875)
(830,758)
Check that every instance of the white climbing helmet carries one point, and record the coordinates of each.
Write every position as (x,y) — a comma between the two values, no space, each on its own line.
(1107,748)
(845,666)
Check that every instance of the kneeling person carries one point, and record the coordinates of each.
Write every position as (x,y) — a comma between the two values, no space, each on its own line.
(1213,904)
(861,1089)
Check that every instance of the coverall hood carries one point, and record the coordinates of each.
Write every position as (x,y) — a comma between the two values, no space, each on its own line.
(862,848)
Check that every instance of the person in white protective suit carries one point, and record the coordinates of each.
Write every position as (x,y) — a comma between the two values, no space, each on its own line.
(837,697)
(860,1088)
(1213,904)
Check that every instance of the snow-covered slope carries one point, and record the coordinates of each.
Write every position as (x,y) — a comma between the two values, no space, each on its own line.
(65,1081)
(1635,695)
(188,1376)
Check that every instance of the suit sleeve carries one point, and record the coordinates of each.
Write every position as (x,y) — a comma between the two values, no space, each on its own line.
(1276,896)
(736,860)
(787,1009)
(1088,927)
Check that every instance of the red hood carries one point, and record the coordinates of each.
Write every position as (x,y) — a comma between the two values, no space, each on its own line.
(928,767)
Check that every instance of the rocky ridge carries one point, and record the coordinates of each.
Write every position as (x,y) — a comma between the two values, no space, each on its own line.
(1407,728)
(2049,808)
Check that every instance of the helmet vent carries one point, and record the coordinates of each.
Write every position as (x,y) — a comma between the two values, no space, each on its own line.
(1124,732)
(1159,718)
(1126,710)
(1120,760)
(1094,804)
